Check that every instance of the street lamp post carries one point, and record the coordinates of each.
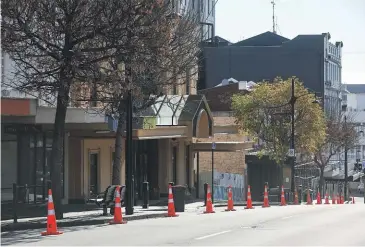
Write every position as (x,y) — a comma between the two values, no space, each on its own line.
(346,175)
(212,189)
(292,139)
(292,102)
(129,156)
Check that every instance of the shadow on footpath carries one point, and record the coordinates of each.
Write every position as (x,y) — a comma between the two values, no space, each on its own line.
(33,236)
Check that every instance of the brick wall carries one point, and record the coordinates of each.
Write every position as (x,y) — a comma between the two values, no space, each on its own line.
(226,162)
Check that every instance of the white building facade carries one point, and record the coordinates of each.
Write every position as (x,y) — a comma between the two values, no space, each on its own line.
(355,100)
(332,75)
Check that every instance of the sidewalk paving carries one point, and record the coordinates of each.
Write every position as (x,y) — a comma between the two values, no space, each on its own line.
(96,217)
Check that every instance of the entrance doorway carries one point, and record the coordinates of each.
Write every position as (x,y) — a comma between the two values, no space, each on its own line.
(146,163)
(94,172)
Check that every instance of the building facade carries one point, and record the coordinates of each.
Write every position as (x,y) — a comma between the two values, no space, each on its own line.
(355,101)
(203,10)
(225,163)
(312,58)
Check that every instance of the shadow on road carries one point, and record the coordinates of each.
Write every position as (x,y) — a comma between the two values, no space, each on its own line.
(33,236)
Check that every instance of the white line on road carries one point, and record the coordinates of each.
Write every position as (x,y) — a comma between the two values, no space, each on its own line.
(288,217)
(212,235)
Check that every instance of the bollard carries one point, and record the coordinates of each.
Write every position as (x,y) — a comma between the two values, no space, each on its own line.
(145,191)
(205,193)
(15,202)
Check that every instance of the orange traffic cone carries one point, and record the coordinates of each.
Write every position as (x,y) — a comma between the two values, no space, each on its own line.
(296,199)
(309,199)
(338,199)
(334,199)
(209,206)
(342,200)
(266,199)
(327,201)
(249,199)
(319,199)
(170,205)
(51,218)
(230,200)
(282,200)
(118,218)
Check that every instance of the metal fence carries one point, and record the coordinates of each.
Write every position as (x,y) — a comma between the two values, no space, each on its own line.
(307,176)
(23,195)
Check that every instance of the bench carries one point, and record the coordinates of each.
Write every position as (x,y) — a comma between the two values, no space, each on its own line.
(106,199)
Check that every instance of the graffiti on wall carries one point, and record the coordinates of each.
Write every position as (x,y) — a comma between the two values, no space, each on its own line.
(221,183)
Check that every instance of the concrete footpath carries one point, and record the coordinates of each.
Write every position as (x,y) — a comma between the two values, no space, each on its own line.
(96,217)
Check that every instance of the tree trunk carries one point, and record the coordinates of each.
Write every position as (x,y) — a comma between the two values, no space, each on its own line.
(321,181)
(57,149)
(117,163)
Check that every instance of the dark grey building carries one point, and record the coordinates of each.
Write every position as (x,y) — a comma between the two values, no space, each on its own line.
(312,58)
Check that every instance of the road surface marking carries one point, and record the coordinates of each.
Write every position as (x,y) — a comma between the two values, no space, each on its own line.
(288,217)
(212,235)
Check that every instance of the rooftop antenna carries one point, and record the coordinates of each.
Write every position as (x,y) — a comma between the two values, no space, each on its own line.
(273,16)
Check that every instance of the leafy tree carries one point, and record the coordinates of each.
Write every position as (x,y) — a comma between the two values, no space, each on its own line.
(339,133)
(265,114)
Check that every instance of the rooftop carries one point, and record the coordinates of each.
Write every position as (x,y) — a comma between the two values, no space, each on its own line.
(356,88)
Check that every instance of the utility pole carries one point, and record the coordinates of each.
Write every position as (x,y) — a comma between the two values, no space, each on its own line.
(273,16)
(346,175)
(129,167)
(212,190)
(292,136)
(129,157)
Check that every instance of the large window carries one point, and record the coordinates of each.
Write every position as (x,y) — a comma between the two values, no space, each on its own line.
(31,157)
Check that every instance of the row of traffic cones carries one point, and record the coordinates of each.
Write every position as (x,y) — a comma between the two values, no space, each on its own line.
(51,216)
(335,200)
(118,218)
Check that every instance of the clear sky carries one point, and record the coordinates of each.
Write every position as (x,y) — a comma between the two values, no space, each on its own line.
(343,19)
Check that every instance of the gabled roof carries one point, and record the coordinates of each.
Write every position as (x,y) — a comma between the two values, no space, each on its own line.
(356,88)
(218,39)
(173,110)
(263,39)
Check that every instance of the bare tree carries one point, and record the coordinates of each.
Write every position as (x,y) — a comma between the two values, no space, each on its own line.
(54,44)
(339,133)
(155,50)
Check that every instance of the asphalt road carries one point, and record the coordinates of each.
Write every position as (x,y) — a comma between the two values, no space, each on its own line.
(325,225)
